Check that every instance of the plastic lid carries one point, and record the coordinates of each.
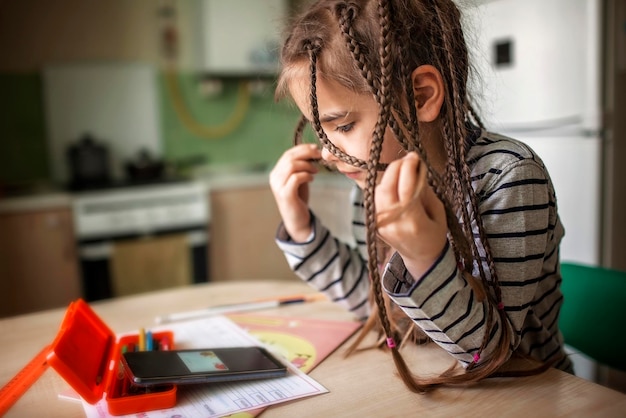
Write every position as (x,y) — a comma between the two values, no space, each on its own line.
(82,350)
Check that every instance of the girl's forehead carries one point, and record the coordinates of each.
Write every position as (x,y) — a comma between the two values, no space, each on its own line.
(332,98)
(329,93)
(296,71)
(300,92)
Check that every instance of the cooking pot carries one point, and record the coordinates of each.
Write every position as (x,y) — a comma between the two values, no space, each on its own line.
(88,164)
(144,167)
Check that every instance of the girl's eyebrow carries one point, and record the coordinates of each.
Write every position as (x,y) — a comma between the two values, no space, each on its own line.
(330,117)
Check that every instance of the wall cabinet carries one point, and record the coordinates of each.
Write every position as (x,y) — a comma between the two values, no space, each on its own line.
(38,263)
(252,29)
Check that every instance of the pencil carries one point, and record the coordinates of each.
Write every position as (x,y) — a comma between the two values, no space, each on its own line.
(239,307)
(142,339)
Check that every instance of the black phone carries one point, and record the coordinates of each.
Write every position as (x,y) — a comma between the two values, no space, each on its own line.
(201,365)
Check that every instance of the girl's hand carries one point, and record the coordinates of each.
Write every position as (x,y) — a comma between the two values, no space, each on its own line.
(410,216)
(289,181)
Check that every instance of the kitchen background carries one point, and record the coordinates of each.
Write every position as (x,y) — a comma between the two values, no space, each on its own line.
(137,135)
(37,36)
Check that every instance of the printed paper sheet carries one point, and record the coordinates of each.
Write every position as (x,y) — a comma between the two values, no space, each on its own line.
(223,399)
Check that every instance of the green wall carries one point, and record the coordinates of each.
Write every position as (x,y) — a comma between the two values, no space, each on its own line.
(22,129)
(265,132)
(261,137)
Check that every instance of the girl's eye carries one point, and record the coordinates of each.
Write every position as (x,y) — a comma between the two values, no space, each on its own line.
(344,128)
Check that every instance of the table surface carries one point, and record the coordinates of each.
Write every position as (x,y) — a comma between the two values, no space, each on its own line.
(362,384)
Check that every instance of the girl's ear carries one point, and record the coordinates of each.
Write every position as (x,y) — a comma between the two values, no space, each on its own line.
(429,92)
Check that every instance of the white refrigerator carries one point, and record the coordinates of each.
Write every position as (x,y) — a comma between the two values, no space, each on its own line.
(539,69)
(540,80)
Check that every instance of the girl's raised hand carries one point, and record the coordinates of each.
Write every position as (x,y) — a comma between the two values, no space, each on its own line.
(289,181)
(409,215)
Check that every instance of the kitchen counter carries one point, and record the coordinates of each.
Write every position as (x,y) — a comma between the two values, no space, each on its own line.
(218,181)
(230,180)
(55,227)
(35,202)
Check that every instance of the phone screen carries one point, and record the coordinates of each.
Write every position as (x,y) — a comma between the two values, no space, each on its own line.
(201,365)
(202,361)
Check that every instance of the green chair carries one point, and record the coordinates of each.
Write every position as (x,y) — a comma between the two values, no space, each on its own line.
(593,316)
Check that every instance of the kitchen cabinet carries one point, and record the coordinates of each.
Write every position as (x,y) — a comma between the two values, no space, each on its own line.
(242,231)
(38,263)
(243,224)
(150,263)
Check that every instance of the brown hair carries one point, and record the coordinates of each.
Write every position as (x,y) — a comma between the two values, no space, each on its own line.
(372,47)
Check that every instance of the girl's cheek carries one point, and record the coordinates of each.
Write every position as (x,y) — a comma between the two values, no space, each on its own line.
(356,145)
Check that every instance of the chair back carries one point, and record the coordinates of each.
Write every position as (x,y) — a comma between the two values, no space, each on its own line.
(593,315)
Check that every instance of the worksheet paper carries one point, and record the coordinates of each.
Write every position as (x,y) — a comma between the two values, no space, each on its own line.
(224,398)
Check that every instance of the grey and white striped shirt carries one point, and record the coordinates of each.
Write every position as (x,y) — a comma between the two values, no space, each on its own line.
(517,203)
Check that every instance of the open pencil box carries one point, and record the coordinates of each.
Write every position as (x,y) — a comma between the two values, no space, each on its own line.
(86,353)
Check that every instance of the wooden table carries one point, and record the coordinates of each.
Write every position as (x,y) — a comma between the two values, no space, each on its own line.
(363,384)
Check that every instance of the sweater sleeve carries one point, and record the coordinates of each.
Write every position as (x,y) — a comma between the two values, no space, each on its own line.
(330,266)
(515,209)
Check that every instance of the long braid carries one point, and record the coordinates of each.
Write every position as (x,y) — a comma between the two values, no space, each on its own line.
(460,158)
(297,135)
(458,234)
(346,14)
(399,324)
(459,230)
(383,97)
(370,180)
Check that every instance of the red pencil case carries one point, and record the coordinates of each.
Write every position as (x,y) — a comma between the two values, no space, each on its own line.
(86,353)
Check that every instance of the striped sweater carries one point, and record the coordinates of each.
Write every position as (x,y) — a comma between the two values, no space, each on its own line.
(517,203)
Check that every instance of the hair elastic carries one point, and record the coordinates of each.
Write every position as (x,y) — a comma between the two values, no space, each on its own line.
(476,357)
(500,306)
(391,342)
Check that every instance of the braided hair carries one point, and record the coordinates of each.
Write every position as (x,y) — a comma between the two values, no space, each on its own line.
(372,46)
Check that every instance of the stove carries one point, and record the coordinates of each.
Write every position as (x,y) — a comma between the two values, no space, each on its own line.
(105,217)
(139,210)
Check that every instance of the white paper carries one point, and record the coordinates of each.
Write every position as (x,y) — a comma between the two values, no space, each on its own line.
(226,398)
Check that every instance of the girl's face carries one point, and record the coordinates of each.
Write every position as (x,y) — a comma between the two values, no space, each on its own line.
(347,118)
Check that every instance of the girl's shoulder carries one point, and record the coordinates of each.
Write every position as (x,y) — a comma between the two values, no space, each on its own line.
(492,151)
(504,147)
(495,158)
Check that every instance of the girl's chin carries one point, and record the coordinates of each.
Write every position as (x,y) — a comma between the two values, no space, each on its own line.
(360,180)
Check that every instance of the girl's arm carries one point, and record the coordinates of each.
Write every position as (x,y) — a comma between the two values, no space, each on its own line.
(330,266)
(518,213)
(289,181)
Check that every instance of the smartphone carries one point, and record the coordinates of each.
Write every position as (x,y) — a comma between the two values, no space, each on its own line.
(201,365)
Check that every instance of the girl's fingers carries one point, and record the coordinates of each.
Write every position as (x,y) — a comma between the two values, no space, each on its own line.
(387,189)
(400,180)
(408,180)
(304,152)
(293,161)
(433,207)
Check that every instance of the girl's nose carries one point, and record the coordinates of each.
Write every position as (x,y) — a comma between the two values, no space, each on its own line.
(328,156)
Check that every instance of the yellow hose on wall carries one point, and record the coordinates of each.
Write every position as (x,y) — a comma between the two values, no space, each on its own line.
(196,128)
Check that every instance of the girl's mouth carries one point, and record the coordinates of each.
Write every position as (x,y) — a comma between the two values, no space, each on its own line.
(354,175)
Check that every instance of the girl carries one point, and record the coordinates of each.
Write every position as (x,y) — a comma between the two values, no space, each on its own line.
(457,228)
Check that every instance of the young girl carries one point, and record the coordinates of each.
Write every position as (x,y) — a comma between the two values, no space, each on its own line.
(457,229)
